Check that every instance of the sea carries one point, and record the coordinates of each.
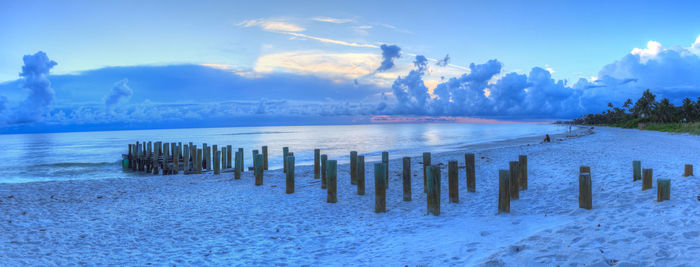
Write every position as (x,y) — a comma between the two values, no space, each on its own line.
(97,155)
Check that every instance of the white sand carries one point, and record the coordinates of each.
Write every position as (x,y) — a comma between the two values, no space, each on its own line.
(214,220)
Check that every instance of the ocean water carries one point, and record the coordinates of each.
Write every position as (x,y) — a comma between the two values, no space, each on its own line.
(97,155)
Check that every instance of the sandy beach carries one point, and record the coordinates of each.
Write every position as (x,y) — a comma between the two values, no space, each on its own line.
(216,220)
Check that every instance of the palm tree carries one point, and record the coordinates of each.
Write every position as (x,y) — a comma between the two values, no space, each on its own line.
(688,109)
(645,104)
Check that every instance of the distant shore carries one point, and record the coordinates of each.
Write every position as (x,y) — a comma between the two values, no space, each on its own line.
(215,220)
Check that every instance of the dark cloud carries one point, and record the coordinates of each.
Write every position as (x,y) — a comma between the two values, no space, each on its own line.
(443,62)
(389,53)
(34,78)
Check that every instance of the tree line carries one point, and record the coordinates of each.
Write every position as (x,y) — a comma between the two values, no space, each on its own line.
(646,109)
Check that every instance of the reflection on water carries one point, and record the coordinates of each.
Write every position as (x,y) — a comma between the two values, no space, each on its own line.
(96,155)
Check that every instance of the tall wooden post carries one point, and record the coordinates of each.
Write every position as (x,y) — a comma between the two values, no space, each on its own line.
(522,163)
(663,189)
(453,181)
(199,160)
(317,163)
(433,190)
(242,161)
(470,170)
(426,163)
(258,167)
(332,175)
(324,171)
(285,151)
(385,160)
(264,152)
(636,170)
(176,160)
(647,175)
(379,188)
(207,157)
(406,178)
(217,161)
(229,151)
(186,158)
(688,170)
(585,198)
(224,154)
(353,167)
(290,175)
(237,168)
(514,187)
(503,191)
(361,175)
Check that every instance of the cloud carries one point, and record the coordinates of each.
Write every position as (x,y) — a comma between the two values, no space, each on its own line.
(119,92)
(330,41)
(332,20)
(421,63)
(34,78)
(325,64)
(389,53)
(272,25)
(443,62)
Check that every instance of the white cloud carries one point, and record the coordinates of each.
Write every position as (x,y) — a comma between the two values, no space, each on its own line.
(332,65)
(645,54)
(332,20)
(272,25)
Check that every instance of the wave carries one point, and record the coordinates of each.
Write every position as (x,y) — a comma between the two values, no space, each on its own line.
(78,164)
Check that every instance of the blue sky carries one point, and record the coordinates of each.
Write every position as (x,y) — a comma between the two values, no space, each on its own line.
(339,42)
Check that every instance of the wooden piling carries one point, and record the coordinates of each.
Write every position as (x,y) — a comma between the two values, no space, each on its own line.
(470,170)
(224,155)
(217,161)
(647,175)
(317,163)
(290,175)
(186,158)
(688,170)
(406,178)
(503,191)
(199,160)
(636,170)
(585,197)
(584,169)
(285,151)
(361,175)
(663,189)
(453,181)
(379,188)
(324,170)
(229,151)
(385,160)
(522,164)
(237,168)
(332,183)
(264,152)
(258,165)
(514,186)
(242,161)
(433,190)
(176,160)
(426,163)
(353,167)
(207,156)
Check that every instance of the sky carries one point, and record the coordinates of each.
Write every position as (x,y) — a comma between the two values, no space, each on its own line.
(348,60)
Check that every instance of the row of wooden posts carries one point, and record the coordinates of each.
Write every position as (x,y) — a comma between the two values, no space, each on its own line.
(173,157)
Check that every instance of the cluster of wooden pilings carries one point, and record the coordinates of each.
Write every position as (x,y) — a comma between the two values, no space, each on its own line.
(511,182)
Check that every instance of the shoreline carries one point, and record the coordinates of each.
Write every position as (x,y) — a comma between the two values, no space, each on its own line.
(213,219)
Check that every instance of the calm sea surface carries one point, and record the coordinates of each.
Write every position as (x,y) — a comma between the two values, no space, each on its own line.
(97,155)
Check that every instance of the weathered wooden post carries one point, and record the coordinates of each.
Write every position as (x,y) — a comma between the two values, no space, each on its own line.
(406,178)
(361,175)
(353,167)
(317,163)
(207,157)
(290,174)
(584,169)
(176,160)
(453,181)
(237,168)
(385,160)
(426,163)
(470,169)
(503,191)
(229,150)
(324,170)
(379,189)
(585,197)
(522,163)
(514,187)
(636,170)
(663,189)
(688,170)
(285,151)
(217,161)
(332,175)
(647,175)
(186,158)
(242,161)
(258,165)
(433,190)
(224,155)
(130,156)
(199,160)
(264,152)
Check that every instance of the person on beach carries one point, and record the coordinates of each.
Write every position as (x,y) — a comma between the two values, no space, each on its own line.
(546,138)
